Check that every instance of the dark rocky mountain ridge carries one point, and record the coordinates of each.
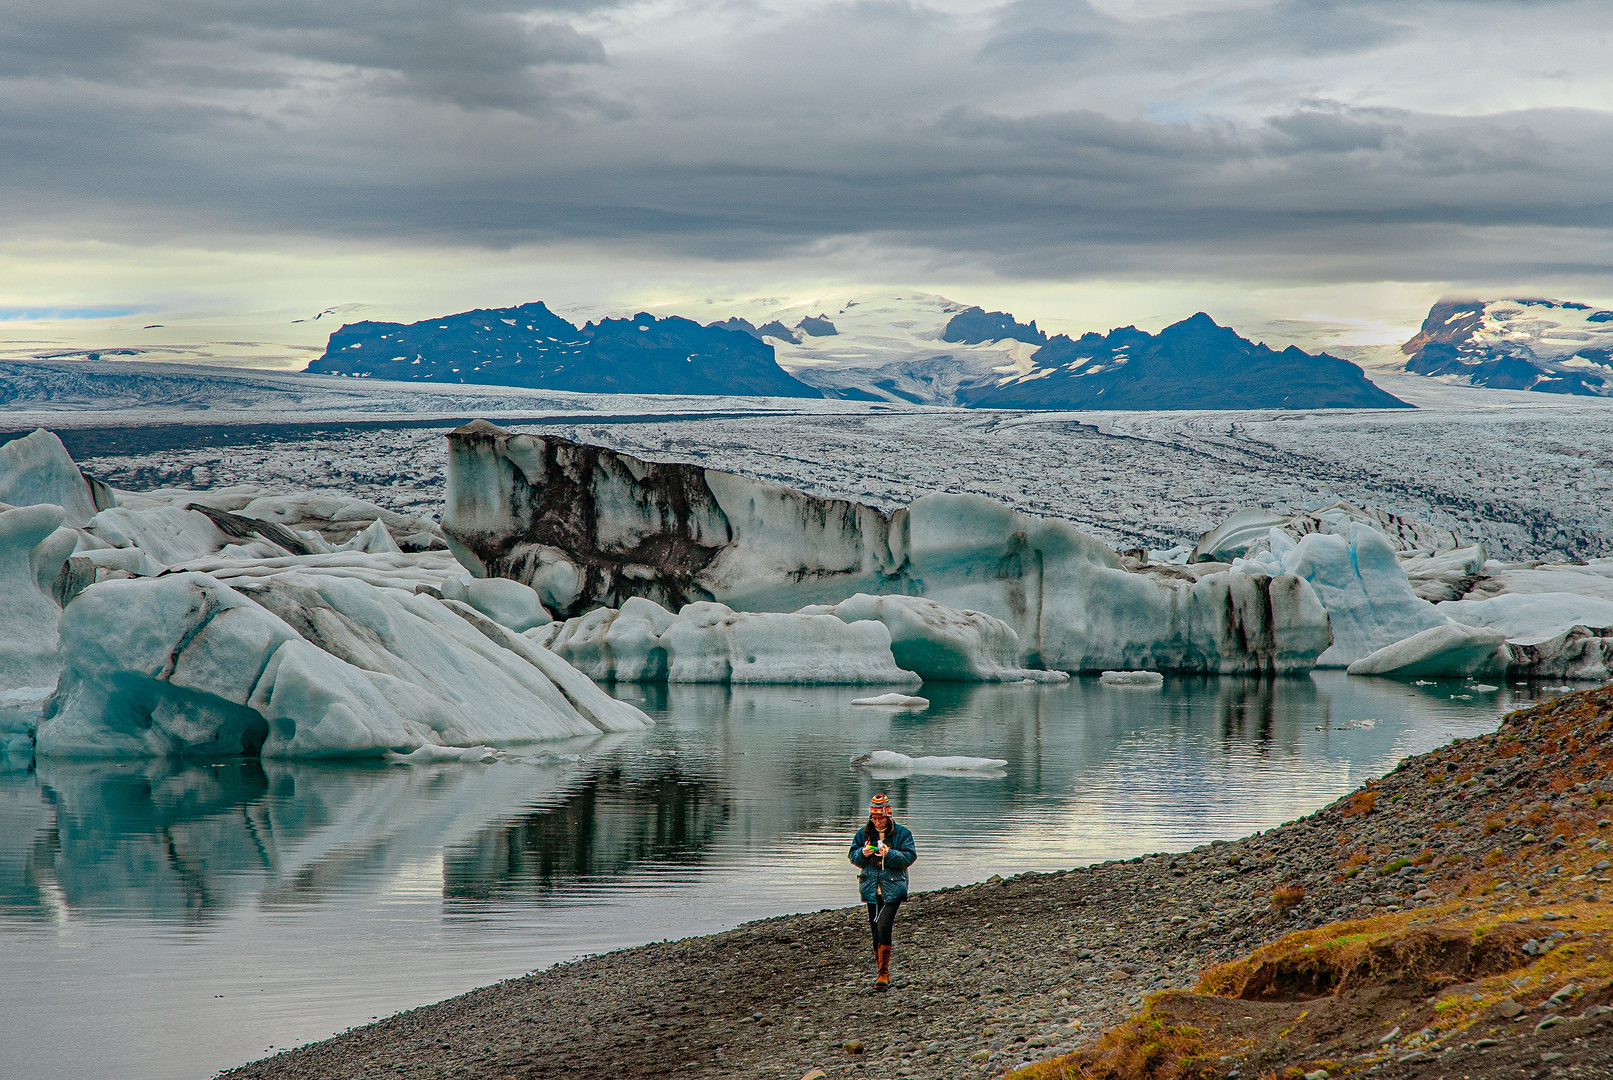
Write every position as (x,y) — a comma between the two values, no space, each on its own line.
(531,346)
(1192,364)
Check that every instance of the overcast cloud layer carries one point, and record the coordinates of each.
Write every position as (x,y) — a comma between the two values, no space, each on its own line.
(1314,140)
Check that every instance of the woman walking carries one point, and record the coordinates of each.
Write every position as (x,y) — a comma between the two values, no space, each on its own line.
(883,850)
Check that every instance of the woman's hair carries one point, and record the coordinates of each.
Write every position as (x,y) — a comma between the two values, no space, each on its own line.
(871,830)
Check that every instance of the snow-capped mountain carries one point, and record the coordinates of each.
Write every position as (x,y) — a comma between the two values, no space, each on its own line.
(892,347)
(1553,346)
(911,347)
(1193,364)
(531,346)
(924,348)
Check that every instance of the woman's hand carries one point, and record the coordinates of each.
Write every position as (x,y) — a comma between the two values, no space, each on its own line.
(884,849)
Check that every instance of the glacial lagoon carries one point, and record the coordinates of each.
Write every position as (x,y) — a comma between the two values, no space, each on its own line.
(167,920)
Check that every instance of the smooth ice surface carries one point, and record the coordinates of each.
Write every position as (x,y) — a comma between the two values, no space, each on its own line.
(37,469)
(1531,617)
(894,701)
(168,534)
(1592,579)
(32,549)
(943,643)
(508,603)
(1359,581)
(712,643)
(181,912)
(1450,650)
(308,666)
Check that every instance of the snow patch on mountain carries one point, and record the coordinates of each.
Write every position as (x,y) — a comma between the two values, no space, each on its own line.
(1551,346)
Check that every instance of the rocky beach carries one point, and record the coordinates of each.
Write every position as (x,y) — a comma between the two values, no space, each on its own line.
(1450,919)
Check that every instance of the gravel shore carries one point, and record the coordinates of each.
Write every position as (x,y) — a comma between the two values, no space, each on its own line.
(990,976)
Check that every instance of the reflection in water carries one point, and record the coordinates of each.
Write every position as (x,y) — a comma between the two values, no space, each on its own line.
(233,906)
(610,822)
(727,770)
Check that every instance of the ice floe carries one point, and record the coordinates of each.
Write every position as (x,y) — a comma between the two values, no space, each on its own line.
(894,701)
(1446,650)
(885,764)
(1141,680)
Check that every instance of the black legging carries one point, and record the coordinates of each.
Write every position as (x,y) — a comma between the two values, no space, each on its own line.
(882,920)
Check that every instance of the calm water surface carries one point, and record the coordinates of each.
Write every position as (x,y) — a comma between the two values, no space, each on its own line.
(167,921)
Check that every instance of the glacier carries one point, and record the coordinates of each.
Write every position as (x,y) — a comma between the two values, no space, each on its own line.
(520,505)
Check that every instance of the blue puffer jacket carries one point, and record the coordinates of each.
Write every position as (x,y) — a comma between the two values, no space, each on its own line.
(888,882)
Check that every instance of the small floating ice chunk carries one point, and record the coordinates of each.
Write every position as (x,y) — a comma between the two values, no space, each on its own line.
(889,761)
(1146,680)
(1484,686)
(894,701)
(1367,723)
(432,755)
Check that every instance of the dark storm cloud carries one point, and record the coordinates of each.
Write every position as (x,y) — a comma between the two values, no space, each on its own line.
(1042,138)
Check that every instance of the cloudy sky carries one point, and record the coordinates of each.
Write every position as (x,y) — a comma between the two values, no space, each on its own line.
(1301,163)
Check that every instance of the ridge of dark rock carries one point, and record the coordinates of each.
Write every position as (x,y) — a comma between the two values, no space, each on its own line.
(529,345)
(974,326)
(1192,364)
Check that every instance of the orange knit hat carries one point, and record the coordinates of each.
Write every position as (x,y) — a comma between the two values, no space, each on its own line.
(879,802)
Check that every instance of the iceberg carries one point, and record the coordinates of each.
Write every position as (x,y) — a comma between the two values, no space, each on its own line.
(339,518)
(519,505)
(36,469)
(1532,617)
(1450,650)
(295,665)
(712,643)
(620,645)
(1579,653)
(1358,579)
(508,603)
(888,764)
(1234,536)
(167,534)
(34,548)
(1445,575)
(941,643)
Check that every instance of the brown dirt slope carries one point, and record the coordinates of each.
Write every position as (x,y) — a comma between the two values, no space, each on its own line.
(1505,971)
